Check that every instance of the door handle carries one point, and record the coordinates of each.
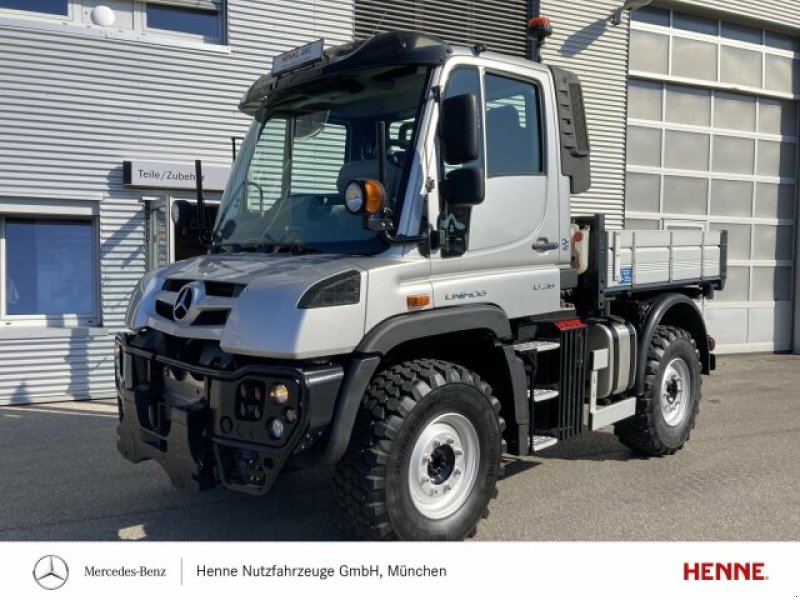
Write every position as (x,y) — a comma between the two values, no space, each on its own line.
(543,245)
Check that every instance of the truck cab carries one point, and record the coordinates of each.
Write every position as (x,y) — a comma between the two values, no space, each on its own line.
(394,284)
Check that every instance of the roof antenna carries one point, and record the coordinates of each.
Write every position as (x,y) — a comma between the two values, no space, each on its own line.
(378,26)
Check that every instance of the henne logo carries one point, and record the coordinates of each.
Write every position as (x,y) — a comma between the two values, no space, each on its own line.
(732,571)
(50,572)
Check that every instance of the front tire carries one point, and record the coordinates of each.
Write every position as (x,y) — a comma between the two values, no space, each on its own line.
(666,415)
(424,457)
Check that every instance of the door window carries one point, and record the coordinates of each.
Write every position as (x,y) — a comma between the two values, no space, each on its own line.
(513,127)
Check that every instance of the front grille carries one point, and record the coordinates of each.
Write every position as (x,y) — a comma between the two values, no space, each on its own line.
(209,318)
(212,318)
(213,288)
(164,309)
(212,311)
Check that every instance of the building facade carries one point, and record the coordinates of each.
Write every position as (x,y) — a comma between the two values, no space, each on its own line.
(105,104)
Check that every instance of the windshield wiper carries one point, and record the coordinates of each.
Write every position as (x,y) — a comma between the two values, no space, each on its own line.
(294,248)
(271,247)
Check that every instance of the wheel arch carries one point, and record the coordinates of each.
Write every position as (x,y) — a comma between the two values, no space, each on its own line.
(475,336)
(677,310)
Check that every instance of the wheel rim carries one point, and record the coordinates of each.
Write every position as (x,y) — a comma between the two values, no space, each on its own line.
(676,384)
(444,466)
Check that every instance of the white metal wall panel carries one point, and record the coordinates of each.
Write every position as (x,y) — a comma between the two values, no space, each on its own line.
(500,24)
(585,42)
(74,104)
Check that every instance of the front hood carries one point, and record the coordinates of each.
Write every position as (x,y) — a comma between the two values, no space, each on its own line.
(264,319)
(248,268)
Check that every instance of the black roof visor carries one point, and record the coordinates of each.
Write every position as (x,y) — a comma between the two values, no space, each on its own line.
(394,48)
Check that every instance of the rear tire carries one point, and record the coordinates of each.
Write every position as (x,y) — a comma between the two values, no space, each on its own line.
(424,457)
(666,415)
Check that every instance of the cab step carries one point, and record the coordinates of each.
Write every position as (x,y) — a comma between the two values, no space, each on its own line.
(538,345)
(540,442)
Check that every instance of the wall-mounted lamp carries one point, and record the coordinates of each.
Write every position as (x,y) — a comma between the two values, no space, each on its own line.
(630,5)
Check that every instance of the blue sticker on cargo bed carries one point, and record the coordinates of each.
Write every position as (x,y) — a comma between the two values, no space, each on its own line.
(625,275)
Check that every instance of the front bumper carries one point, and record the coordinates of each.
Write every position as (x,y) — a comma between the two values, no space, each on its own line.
(207,427)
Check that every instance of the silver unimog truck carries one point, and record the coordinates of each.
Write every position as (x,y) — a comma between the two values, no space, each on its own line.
(394,285)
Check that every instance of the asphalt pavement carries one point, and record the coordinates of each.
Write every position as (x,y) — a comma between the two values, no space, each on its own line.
(737,479)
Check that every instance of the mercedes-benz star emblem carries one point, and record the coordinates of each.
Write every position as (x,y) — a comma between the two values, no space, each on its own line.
(183,303)
(50,572)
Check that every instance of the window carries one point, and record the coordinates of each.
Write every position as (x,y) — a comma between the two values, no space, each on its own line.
(318,155)
(51,7)
(192,21)
(50,273)
(513,127)
(203,22)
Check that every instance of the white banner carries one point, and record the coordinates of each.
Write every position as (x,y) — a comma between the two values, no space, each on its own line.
(654,571)
(157,174)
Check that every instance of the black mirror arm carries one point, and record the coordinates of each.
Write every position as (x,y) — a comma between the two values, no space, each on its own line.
(204,235)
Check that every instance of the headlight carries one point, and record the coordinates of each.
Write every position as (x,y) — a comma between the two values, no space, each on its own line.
(354,197)
(276,428)
(338,290)
(279,393)
(364,197)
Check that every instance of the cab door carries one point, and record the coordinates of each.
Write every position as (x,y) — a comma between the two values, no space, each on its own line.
(505,251)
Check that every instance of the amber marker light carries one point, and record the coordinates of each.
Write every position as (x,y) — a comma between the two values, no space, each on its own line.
(418,301)
(365,197)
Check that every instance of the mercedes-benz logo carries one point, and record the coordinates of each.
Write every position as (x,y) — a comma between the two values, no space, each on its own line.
(51,572)
(183,303)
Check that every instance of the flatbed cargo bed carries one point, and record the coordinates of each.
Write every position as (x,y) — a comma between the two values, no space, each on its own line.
(642,260)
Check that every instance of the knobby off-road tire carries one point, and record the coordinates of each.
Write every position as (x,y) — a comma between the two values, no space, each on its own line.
(424,425)
(666,415)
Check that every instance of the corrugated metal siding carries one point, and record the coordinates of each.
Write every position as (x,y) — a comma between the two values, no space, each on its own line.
(782,13)
(500,24)
(122,256)
(70,367)
(585,42)
(73,106)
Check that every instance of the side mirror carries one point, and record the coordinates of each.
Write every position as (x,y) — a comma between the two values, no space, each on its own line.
(459,129)
(463,187)
(182,214)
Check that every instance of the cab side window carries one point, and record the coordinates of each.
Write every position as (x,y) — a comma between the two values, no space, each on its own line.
(513,127)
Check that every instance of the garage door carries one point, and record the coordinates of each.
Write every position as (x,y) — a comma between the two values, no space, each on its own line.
(712,144)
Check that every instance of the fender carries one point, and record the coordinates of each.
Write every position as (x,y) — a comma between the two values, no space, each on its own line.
(672,309)
(378,342)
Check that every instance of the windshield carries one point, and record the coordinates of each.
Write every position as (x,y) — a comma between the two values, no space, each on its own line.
(286,186)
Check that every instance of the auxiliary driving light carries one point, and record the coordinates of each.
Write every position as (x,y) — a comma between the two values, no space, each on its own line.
(276,428)
(364,197)
(279,394)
